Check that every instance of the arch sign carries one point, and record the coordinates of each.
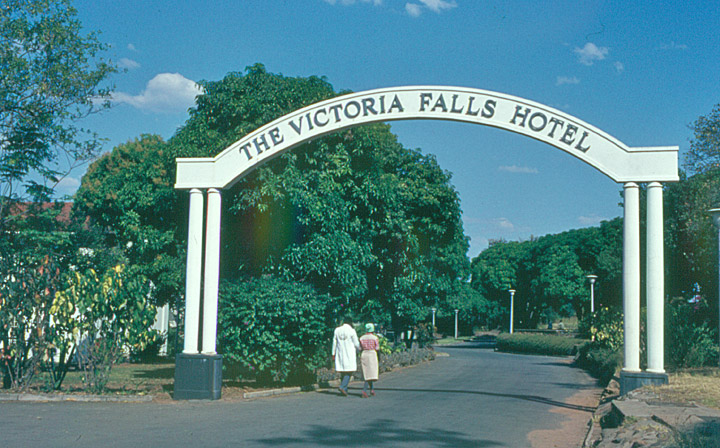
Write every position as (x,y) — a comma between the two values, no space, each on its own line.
(207,176)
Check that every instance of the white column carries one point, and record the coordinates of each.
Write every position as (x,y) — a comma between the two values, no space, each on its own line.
(212,272)
(655,278)
(631,276)
(193,272)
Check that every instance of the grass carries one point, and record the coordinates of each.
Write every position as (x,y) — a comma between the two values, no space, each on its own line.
(698,385)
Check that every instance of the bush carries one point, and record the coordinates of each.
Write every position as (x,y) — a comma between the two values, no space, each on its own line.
(690,341)
(604,327)
(600,361)
(539,344)
(279,330)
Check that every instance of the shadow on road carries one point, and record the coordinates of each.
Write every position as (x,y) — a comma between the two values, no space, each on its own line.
(379,432)
(534,398)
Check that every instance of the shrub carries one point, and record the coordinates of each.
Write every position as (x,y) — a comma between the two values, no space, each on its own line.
(689,342)
(109,314)
(604,327)
(279,330)
(539,344)
(600,361)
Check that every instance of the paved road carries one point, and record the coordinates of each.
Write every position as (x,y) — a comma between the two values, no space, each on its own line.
(471,398)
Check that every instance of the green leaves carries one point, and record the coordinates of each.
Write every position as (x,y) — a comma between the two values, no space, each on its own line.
(275,330)
(108,313)
(51,77)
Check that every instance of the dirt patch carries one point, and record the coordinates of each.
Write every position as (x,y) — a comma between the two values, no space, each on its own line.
(573,429)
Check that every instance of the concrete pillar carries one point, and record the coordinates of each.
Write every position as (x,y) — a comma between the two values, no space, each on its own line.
(655,278)
(631,276)
(212,272)
(193,272)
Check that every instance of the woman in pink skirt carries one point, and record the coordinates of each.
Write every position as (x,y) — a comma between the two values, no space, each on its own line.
(369,359)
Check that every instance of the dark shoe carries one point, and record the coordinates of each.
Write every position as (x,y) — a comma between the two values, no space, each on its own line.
(364,395)
(372,392)
(343,392)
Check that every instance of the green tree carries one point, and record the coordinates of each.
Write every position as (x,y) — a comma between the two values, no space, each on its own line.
(704,153)
(128,194)
(354,213)
(51,78)
(549,273)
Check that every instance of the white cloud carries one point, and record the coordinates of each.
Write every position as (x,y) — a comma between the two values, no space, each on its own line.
(128,63)
(504,224)
(439,5)
(591,53)
(166,92)
(518,169)
(591,220)
(415,9)
(561,80)
(350,2)
(619,66)
(673,46)
(131,47)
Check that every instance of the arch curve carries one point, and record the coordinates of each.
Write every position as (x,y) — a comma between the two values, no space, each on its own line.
(563,131)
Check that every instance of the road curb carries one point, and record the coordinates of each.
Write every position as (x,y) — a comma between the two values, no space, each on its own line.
(79,398)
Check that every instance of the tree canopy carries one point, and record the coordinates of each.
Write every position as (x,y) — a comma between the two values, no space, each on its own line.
(52,76)
(549,273)
(354,214)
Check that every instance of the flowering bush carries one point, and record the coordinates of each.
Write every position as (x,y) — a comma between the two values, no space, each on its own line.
(604,327)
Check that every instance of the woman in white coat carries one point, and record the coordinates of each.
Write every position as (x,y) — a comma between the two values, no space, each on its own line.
(344,351)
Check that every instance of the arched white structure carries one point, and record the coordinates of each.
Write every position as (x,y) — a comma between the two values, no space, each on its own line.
(623,164)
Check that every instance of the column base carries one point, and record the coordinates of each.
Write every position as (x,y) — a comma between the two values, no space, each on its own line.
(198,377)
(635,380)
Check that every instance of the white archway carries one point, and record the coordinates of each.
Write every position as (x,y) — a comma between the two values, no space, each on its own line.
(629,166)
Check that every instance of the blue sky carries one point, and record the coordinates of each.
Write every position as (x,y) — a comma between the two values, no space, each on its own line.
(640,71)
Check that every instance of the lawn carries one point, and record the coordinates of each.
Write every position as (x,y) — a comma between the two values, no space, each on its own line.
(156,378)
(699,385)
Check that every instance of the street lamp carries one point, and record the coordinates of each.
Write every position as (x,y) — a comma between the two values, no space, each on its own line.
(433,309)
(592,279)
(512,308)
(456,323)
(715,214)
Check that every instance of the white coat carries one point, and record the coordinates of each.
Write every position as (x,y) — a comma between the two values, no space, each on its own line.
(345,344)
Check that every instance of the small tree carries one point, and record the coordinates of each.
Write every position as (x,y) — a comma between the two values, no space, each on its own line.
(107,314)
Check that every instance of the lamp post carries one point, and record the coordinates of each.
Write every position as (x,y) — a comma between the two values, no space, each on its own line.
(433,309)
(592,279)
(512,308)
(715,214)
(456,323)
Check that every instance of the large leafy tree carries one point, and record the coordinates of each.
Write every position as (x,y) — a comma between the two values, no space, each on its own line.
(52,76)
(549,273)
(128,193)
(704,153)
(354,214)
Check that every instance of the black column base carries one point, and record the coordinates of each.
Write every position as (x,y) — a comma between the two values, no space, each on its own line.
(198,377)
(635,380)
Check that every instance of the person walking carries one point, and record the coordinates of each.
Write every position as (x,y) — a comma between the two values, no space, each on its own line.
(369,360)
(345,344)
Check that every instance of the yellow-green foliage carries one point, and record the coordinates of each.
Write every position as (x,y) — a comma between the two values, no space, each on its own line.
(105,313)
